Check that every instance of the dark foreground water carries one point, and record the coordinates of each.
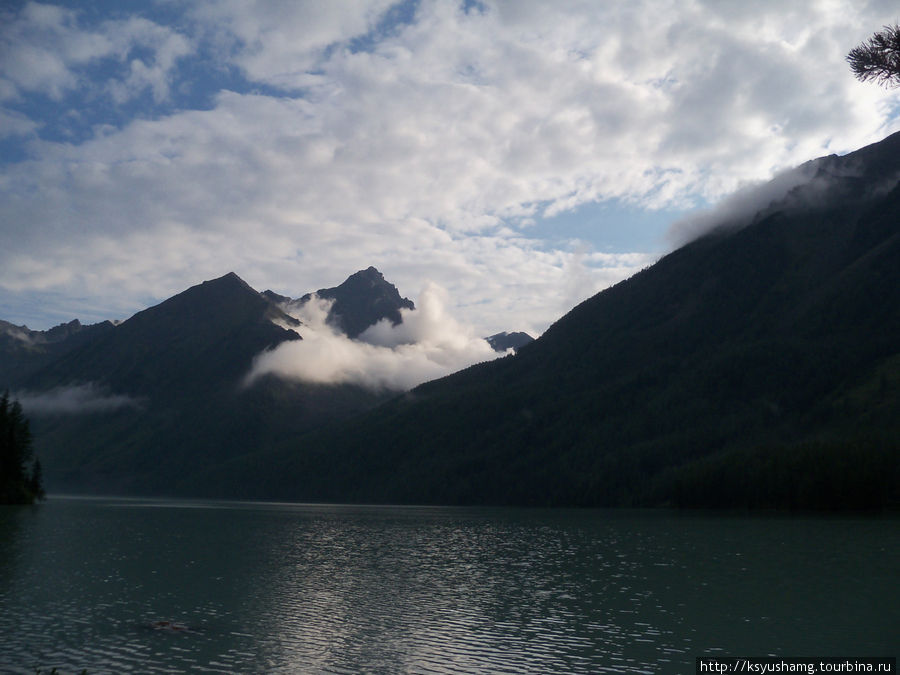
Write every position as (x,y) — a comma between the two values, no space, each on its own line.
(343,589)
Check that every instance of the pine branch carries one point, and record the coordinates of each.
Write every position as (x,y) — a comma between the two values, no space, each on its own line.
(878,58)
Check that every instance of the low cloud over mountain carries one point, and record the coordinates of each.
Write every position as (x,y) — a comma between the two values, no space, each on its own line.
(75,400)
(427,343)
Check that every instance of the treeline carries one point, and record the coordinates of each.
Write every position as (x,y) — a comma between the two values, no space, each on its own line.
(20,477)
(852,474)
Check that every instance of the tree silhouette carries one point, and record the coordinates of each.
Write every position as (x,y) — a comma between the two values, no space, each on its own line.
(16,485)
(878,58)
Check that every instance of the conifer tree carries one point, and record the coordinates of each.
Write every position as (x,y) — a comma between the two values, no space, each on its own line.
(17,485)
(878,58)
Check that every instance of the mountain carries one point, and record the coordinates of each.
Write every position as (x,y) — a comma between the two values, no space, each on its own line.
(274,297)
(202,338)
(364,299)
(757,366)
(23,351)
(161,395)
(153,404)
(500,342)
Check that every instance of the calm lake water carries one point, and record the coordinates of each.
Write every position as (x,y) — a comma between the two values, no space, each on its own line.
(258,587)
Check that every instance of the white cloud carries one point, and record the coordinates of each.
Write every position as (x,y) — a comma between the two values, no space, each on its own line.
(43,49)
(74,400)
(427,153)
(739,208)
(427,344)
(154,73)
(36,48)
(15,124)
(278,42)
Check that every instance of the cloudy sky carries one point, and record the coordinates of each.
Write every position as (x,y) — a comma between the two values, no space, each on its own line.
(519,154)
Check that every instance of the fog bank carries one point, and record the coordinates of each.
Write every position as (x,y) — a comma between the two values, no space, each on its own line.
(74,400)
(427,344)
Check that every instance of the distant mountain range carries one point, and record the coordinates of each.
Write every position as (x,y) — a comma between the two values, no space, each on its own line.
(23,351)
(756,367)
(161,394)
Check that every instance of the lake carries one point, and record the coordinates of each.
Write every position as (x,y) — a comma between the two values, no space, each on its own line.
(261,587)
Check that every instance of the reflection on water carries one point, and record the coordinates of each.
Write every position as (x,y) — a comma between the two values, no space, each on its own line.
(161,586)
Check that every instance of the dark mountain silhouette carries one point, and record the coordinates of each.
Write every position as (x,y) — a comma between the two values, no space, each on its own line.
(364,299)
(500,342)
(181,365)
(756,366)
(199,339)
(759,365)
(162,396)
(24,351)
(276,298)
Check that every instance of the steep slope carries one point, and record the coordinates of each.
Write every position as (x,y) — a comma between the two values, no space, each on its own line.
(757,366)
(179,366)
(199,339)
(364,299)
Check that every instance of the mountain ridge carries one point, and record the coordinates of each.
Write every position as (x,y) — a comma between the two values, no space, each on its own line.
(159,345)
(756,366)
(171,380)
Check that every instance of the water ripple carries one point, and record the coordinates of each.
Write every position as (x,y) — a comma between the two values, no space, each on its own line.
(286,588)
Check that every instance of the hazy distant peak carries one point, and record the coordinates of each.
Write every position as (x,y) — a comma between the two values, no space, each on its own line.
(56,334)
(20,333)
(277,298)
(500,342)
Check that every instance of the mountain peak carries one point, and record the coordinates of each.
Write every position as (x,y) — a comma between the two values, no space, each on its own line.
(500,342)
(277,298)
(363,299)
(199,338)
(370,276)
(227,281)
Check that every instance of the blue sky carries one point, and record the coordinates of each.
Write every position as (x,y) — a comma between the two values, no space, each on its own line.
(521,155)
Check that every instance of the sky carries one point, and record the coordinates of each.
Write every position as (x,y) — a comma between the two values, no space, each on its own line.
(517,155)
